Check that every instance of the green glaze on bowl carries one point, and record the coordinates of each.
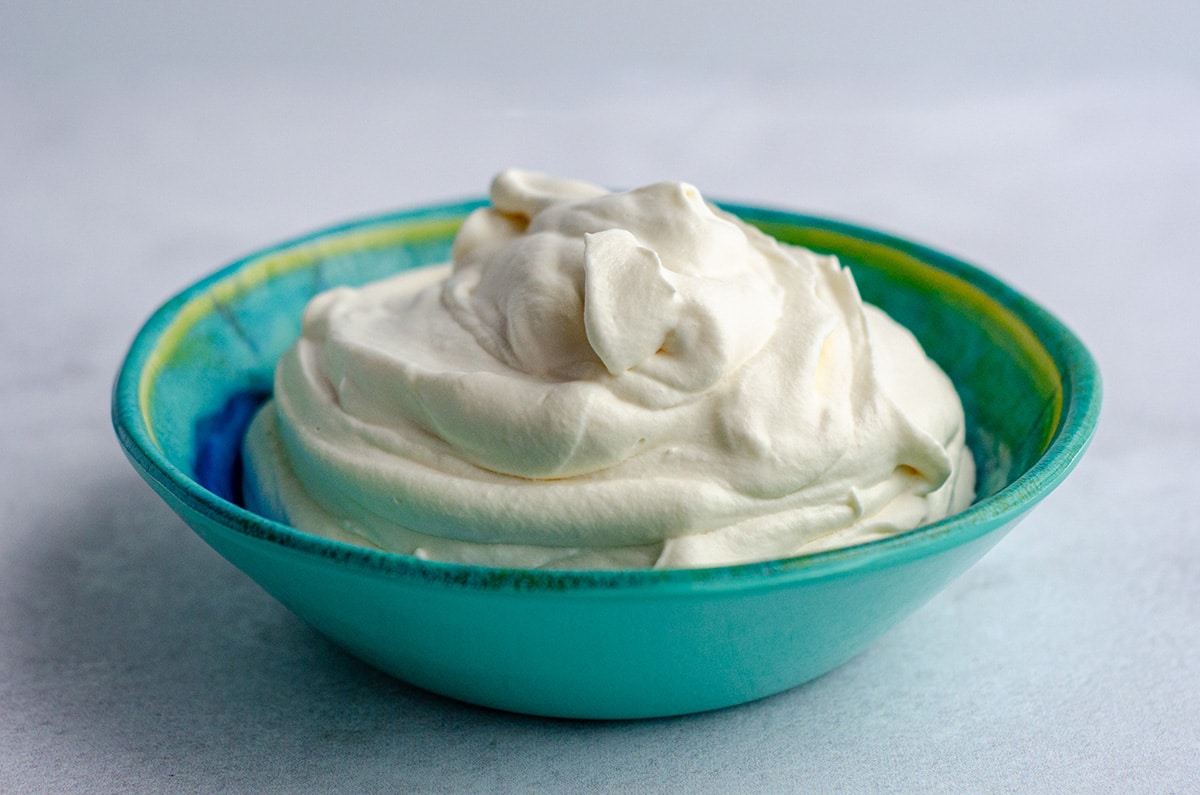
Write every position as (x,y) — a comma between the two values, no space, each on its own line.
(609,644)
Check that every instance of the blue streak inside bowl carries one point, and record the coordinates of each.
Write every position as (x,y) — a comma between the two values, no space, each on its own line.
(218,464)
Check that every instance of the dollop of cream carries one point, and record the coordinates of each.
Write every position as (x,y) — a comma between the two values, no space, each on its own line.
(608,380)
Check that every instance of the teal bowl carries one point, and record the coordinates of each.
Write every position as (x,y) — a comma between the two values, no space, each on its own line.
(597,644)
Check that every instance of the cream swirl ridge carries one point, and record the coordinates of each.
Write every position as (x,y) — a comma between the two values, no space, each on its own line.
(608,379)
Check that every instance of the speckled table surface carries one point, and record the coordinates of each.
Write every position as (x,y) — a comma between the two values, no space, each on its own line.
(133,658)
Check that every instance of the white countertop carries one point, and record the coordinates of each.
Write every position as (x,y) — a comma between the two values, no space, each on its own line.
(133,658)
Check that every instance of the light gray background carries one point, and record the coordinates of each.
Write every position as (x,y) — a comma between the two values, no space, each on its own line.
(143,144)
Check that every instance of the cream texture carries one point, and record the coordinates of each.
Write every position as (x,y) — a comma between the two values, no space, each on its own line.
(608,380)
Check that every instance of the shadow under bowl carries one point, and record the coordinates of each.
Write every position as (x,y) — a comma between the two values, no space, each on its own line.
(597,644)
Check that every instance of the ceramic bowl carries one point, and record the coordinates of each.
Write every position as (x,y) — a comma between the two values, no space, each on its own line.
(597,644)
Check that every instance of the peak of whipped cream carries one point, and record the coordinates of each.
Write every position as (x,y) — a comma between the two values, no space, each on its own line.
(605,379)
(558,277)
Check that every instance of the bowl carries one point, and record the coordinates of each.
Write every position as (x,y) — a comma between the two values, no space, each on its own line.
(597,644)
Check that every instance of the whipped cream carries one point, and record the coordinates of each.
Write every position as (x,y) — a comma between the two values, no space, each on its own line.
(608,380)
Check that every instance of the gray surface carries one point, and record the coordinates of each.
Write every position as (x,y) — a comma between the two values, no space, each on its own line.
(140,148)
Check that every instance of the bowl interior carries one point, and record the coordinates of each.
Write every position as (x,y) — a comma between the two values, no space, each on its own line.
(204,362)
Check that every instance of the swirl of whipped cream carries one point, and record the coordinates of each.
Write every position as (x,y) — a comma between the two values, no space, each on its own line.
(607,380)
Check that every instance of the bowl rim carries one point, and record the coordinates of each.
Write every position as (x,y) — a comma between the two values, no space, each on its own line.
(1075,366)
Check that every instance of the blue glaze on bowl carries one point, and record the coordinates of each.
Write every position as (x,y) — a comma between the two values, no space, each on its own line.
(218,464)
(614,644)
